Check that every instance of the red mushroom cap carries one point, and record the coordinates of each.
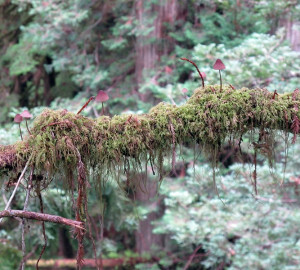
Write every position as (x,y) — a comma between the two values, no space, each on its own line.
(219,65)
(18,118)
(102,96)
(26,114)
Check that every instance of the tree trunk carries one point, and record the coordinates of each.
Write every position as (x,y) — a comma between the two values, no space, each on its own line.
(150,46)
(292,29)
(144,237)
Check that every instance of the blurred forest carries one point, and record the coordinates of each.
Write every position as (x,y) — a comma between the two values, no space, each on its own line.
(57,54)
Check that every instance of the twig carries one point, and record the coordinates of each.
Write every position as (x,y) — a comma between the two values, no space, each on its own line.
(185,59)
(92,239)
(87,103)
(174,147)
(279,42)
(43,226)
(41,217)
(16,187)
(28,255)
(29,185)
(191,258)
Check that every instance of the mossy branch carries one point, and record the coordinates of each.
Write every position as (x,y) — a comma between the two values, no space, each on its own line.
(124,142)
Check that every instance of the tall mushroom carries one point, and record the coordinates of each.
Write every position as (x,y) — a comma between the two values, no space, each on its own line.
(219,66)
(26,115)
(102,97)
(18,119)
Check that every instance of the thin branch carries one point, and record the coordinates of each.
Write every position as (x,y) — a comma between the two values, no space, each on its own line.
(185,59)
(87,103)
(30,254)
(29,185)
(16,187)
(278,44)
(191,258)
(174,147)
(41,217)
(107,263)
(43,227)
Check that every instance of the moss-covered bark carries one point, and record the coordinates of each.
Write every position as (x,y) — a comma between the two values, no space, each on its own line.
(60,138)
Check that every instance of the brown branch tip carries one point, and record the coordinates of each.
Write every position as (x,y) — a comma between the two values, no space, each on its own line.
(188,60)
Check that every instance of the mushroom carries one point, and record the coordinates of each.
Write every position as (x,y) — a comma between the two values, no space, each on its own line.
(27,115)
(219,66)
(18,119)
(102,97)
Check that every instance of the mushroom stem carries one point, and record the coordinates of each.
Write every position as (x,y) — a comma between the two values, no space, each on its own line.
(28,128)
(20,131)
(102,112)
(220,80)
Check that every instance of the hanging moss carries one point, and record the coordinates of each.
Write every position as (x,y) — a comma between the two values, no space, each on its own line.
(126,142)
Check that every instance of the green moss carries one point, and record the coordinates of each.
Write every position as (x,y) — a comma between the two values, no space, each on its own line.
(126,142)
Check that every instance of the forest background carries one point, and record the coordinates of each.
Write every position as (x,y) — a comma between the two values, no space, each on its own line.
(57,54)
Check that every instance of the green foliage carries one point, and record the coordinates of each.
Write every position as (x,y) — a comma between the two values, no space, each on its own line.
(229,29)
(9,257)
(259,61)
(245,232)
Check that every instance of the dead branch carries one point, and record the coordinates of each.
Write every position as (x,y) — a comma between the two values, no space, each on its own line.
(41,217)
(88,262)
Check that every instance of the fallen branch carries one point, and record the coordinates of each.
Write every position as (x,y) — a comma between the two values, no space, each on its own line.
(88,262)
(41,217)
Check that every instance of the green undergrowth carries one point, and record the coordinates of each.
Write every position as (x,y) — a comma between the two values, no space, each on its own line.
(126,143)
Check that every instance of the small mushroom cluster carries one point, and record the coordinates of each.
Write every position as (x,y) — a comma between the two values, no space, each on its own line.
(19,118)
